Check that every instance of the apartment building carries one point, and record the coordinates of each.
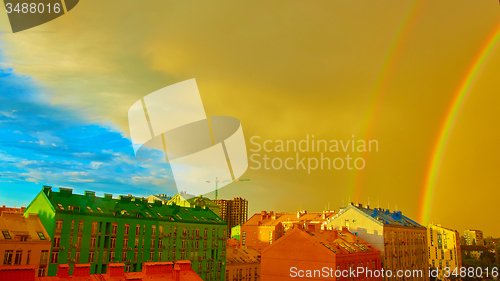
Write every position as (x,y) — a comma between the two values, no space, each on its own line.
(24,241)
(234,211)
(86,229)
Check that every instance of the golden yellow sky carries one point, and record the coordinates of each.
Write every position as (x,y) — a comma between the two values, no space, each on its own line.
(288,68)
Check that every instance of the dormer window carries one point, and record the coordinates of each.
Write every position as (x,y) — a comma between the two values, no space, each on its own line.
(6,235)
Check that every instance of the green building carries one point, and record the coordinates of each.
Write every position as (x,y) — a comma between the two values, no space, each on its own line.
(236,232)
(98,231)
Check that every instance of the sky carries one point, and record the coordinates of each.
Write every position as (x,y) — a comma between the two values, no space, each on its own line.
(339,70)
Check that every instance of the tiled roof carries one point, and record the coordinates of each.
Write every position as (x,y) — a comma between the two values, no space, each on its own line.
(238,255)
(268,220)
(15,224)
(65,201)
(384,216)
(341,241)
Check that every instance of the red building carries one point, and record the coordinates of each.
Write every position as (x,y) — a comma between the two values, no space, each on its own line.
(152,271)
(320,255)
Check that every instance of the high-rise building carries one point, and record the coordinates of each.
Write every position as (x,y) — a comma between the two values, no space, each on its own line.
(264,228)
(306,253)
(24,241)
(234,211)
(87,229)
(402,242)
(444,249)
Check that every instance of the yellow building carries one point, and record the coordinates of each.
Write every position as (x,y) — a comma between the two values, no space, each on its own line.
(444,248)
(401,241)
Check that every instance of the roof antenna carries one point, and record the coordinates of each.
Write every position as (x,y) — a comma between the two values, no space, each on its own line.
(378,203)
(368,201)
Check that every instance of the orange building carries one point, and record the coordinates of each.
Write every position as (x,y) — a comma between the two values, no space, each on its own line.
(243,263)
(24,241)
(320,255)
(12,209)
(265,228)
(153,271)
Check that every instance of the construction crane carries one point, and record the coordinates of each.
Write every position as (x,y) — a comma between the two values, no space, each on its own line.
(217,182)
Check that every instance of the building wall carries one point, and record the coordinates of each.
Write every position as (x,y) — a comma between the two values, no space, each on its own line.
(294,251)
(366,228)
(243,271)
(72,244)
(33,251)
(260,237)
(402,248)
(444,248)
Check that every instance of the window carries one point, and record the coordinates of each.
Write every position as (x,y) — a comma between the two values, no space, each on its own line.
(44,257)
(92,243)
(60,206)
(54,257)
(91,257)
(41,272)
(90,209)
(7,258)
(113,243)
(17,259)
(28,256)
(59,224)
(151,256)
(111,256)
(99,209)
(57,241)
(124,256)
(42,237)
(80,226)
(6,235)
(153,230)
(159,256)
(126,229)
(94,227)
(137,229)
(125,244)
(79,242)
(115,227)
(135,256)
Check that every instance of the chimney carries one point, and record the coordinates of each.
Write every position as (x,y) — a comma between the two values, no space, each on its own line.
(263,215)
(335,235)
(151,268)
(81,270)
(272,215)
(63,271)
(177,272)
(184,265)
(115,269)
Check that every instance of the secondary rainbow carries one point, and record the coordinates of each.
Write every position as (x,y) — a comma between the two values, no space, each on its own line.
(450,117)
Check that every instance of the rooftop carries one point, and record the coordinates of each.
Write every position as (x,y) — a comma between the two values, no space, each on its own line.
(65,201)
(15,227)
(385,216)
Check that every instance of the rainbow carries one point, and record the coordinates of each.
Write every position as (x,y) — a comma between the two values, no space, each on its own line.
(447,124)
(387,68)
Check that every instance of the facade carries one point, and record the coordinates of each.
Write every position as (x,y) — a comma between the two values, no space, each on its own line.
(305,253)
(24,242)
(444,248)
(234,212)
(86,229)
(474,237)
(401,241)
(243,263)
(187,200)
(263,229)
(155,271)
